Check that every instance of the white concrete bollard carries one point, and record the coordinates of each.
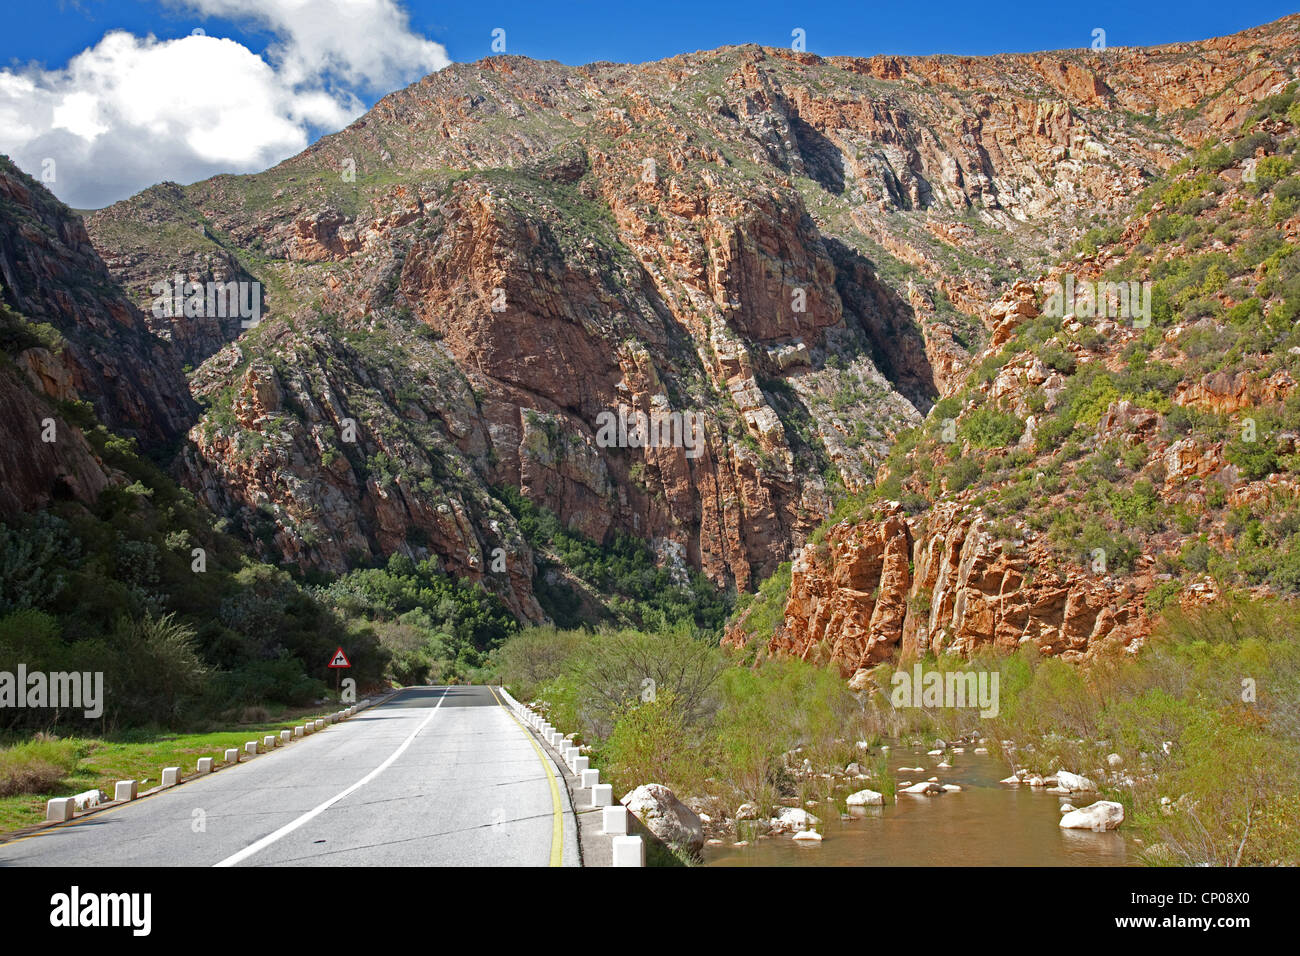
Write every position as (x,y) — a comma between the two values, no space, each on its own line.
(286,736)
(269,741)
(58,810)
(602,795)
(232,755)
(319,724)
(613,820)
(205,764)
(171,776)
(126,790)
(250,748)
(299,730)
(580,765)
(629,851)
(590,778)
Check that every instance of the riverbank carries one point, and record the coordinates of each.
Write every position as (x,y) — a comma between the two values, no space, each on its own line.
(1196,739)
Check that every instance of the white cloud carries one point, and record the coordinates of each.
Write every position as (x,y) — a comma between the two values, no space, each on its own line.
(133,111)
(361,42)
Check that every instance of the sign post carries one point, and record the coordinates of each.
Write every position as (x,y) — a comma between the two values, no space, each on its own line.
(337,663)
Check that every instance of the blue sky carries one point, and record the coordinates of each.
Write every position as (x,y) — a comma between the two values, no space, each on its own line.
(581,31)
(102,98)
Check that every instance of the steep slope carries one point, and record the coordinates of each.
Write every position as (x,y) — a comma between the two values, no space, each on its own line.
(1103,459)
(53,276)
(802,252)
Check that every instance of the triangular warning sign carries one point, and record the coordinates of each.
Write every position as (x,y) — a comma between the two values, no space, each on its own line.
(339,659)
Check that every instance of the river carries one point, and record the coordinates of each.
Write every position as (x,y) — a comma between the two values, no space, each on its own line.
(986,824)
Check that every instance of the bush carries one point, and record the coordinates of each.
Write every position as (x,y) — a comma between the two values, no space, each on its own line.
(651,743)
(989,428)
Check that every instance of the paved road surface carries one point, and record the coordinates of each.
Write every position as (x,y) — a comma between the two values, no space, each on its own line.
(440,776)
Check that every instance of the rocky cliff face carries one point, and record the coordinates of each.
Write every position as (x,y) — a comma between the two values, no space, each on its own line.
(947,583)
(803,252)
(1102,462)
(51,274)
(70,336)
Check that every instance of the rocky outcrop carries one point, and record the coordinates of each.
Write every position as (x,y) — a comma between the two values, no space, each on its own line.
(900,586)
(56,462)
(51,274)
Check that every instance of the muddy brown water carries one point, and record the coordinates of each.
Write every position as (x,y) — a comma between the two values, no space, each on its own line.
(986,824)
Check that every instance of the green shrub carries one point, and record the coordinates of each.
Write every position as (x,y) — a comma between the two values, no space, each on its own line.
(989,428)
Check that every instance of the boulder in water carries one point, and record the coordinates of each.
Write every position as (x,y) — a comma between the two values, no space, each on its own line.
(1102,815)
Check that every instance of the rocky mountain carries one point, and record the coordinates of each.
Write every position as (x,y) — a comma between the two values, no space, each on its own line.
(804,254)
(71,336)
(1099,463)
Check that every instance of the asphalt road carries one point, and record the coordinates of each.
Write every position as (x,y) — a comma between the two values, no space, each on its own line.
(436,776)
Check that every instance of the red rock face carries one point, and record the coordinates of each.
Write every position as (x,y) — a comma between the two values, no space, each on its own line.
(804,252)
(900,587)
(65,467)
(52,274)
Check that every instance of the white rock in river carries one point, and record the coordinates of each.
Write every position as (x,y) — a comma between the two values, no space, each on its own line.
(808,836)
(865,798)
(981,750)
(1012,781)
(924,788)
(1102,815)
(1067,808)
(793,818)
(1074,783)
(951,788)
(944,765)
(1035,781)
(935,753)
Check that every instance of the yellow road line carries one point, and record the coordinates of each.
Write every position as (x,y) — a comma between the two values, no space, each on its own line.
(557,828)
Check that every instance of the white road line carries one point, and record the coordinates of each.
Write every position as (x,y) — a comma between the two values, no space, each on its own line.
(316,811)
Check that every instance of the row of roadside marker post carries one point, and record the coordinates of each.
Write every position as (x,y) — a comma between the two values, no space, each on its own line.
(628,850)
(62,809)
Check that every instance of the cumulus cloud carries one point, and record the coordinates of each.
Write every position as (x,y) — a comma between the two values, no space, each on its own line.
(133,111)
